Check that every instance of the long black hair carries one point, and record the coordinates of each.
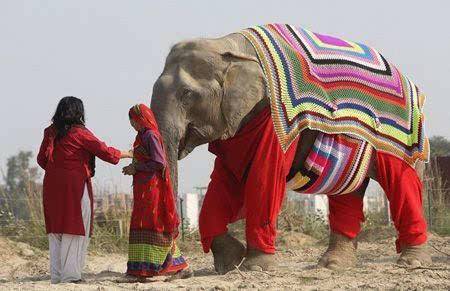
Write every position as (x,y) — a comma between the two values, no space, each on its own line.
(69,112)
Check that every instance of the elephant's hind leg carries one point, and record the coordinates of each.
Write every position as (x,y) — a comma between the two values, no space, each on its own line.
(341,253)
(403,189)
(346,216)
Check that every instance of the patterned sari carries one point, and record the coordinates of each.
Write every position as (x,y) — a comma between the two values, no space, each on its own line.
(154,221)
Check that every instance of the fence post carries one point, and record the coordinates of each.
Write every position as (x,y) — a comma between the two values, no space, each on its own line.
(182,218)
(430,220)
(120,227)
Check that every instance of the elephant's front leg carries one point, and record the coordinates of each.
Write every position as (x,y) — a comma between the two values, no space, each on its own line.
(228,253)
(262,209)
(346,216)
(261,243)
(221,206)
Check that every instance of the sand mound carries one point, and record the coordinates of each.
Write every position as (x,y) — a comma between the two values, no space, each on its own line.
(20,260)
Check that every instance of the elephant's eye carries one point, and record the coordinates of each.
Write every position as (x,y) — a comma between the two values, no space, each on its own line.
(185,95)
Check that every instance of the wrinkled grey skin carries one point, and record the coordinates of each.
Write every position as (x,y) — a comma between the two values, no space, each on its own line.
(210,88)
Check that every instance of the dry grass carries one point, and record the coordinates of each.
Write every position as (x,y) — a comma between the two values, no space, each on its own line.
(31,230)
(107,236)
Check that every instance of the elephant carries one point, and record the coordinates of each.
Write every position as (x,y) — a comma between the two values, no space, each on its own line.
(208,90)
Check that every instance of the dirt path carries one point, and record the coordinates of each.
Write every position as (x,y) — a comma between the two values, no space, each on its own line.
(23,268)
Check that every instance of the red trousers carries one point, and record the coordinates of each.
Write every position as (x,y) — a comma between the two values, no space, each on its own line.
(248,181)
(403,189)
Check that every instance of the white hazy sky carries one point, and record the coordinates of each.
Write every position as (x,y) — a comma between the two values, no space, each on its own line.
(109,53)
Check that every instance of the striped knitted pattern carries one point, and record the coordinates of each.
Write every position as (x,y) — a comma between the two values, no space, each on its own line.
(336,164)
(337,86)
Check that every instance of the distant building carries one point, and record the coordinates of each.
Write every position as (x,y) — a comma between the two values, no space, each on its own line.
(374,198)
(191,209)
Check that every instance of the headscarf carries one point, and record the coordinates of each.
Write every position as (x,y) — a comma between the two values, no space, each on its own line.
(143,116)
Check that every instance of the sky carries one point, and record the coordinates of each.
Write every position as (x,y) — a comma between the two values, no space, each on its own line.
(109,53)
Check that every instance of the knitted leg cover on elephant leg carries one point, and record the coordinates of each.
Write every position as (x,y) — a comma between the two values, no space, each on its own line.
(265,189)
(403,189)
(221,206)
(346,214)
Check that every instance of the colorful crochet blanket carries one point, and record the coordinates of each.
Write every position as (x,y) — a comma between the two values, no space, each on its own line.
(336,164)
(336,86)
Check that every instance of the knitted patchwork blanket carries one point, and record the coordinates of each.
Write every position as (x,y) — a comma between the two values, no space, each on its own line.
(336,164)
(337,86)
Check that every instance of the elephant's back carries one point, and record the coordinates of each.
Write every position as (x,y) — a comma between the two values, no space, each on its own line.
(337,86)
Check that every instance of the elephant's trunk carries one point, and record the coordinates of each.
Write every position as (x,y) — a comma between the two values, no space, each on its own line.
(172,158)
(171,136)
(171,142)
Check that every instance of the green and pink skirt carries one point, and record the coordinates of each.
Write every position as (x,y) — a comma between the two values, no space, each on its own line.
(153,254)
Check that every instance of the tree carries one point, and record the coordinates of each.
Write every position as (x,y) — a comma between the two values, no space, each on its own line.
(439,146)
(20,181)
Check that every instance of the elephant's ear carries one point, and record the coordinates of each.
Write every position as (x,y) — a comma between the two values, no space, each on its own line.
(243,87)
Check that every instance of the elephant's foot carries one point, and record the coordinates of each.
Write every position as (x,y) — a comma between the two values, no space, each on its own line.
(259,261)
(341,253)
(415,256)
(228,253)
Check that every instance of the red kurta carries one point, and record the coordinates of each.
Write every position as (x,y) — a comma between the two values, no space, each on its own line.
(66,165)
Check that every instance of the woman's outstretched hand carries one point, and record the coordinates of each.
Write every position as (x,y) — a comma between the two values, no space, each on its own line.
(129,170)
(126,154)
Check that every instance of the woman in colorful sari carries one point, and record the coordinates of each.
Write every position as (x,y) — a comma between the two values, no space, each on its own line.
(67,155)
(154,221)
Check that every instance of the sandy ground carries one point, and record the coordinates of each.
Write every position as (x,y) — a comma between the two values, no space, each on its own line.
(24,268)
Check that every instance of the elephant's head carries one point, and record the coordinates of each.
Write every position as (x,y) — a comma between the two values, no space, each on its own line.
(206,91)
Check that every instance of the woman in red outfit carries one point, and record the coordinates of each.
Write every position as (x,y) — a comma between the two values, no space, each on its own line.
(154,221)
(67,155)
